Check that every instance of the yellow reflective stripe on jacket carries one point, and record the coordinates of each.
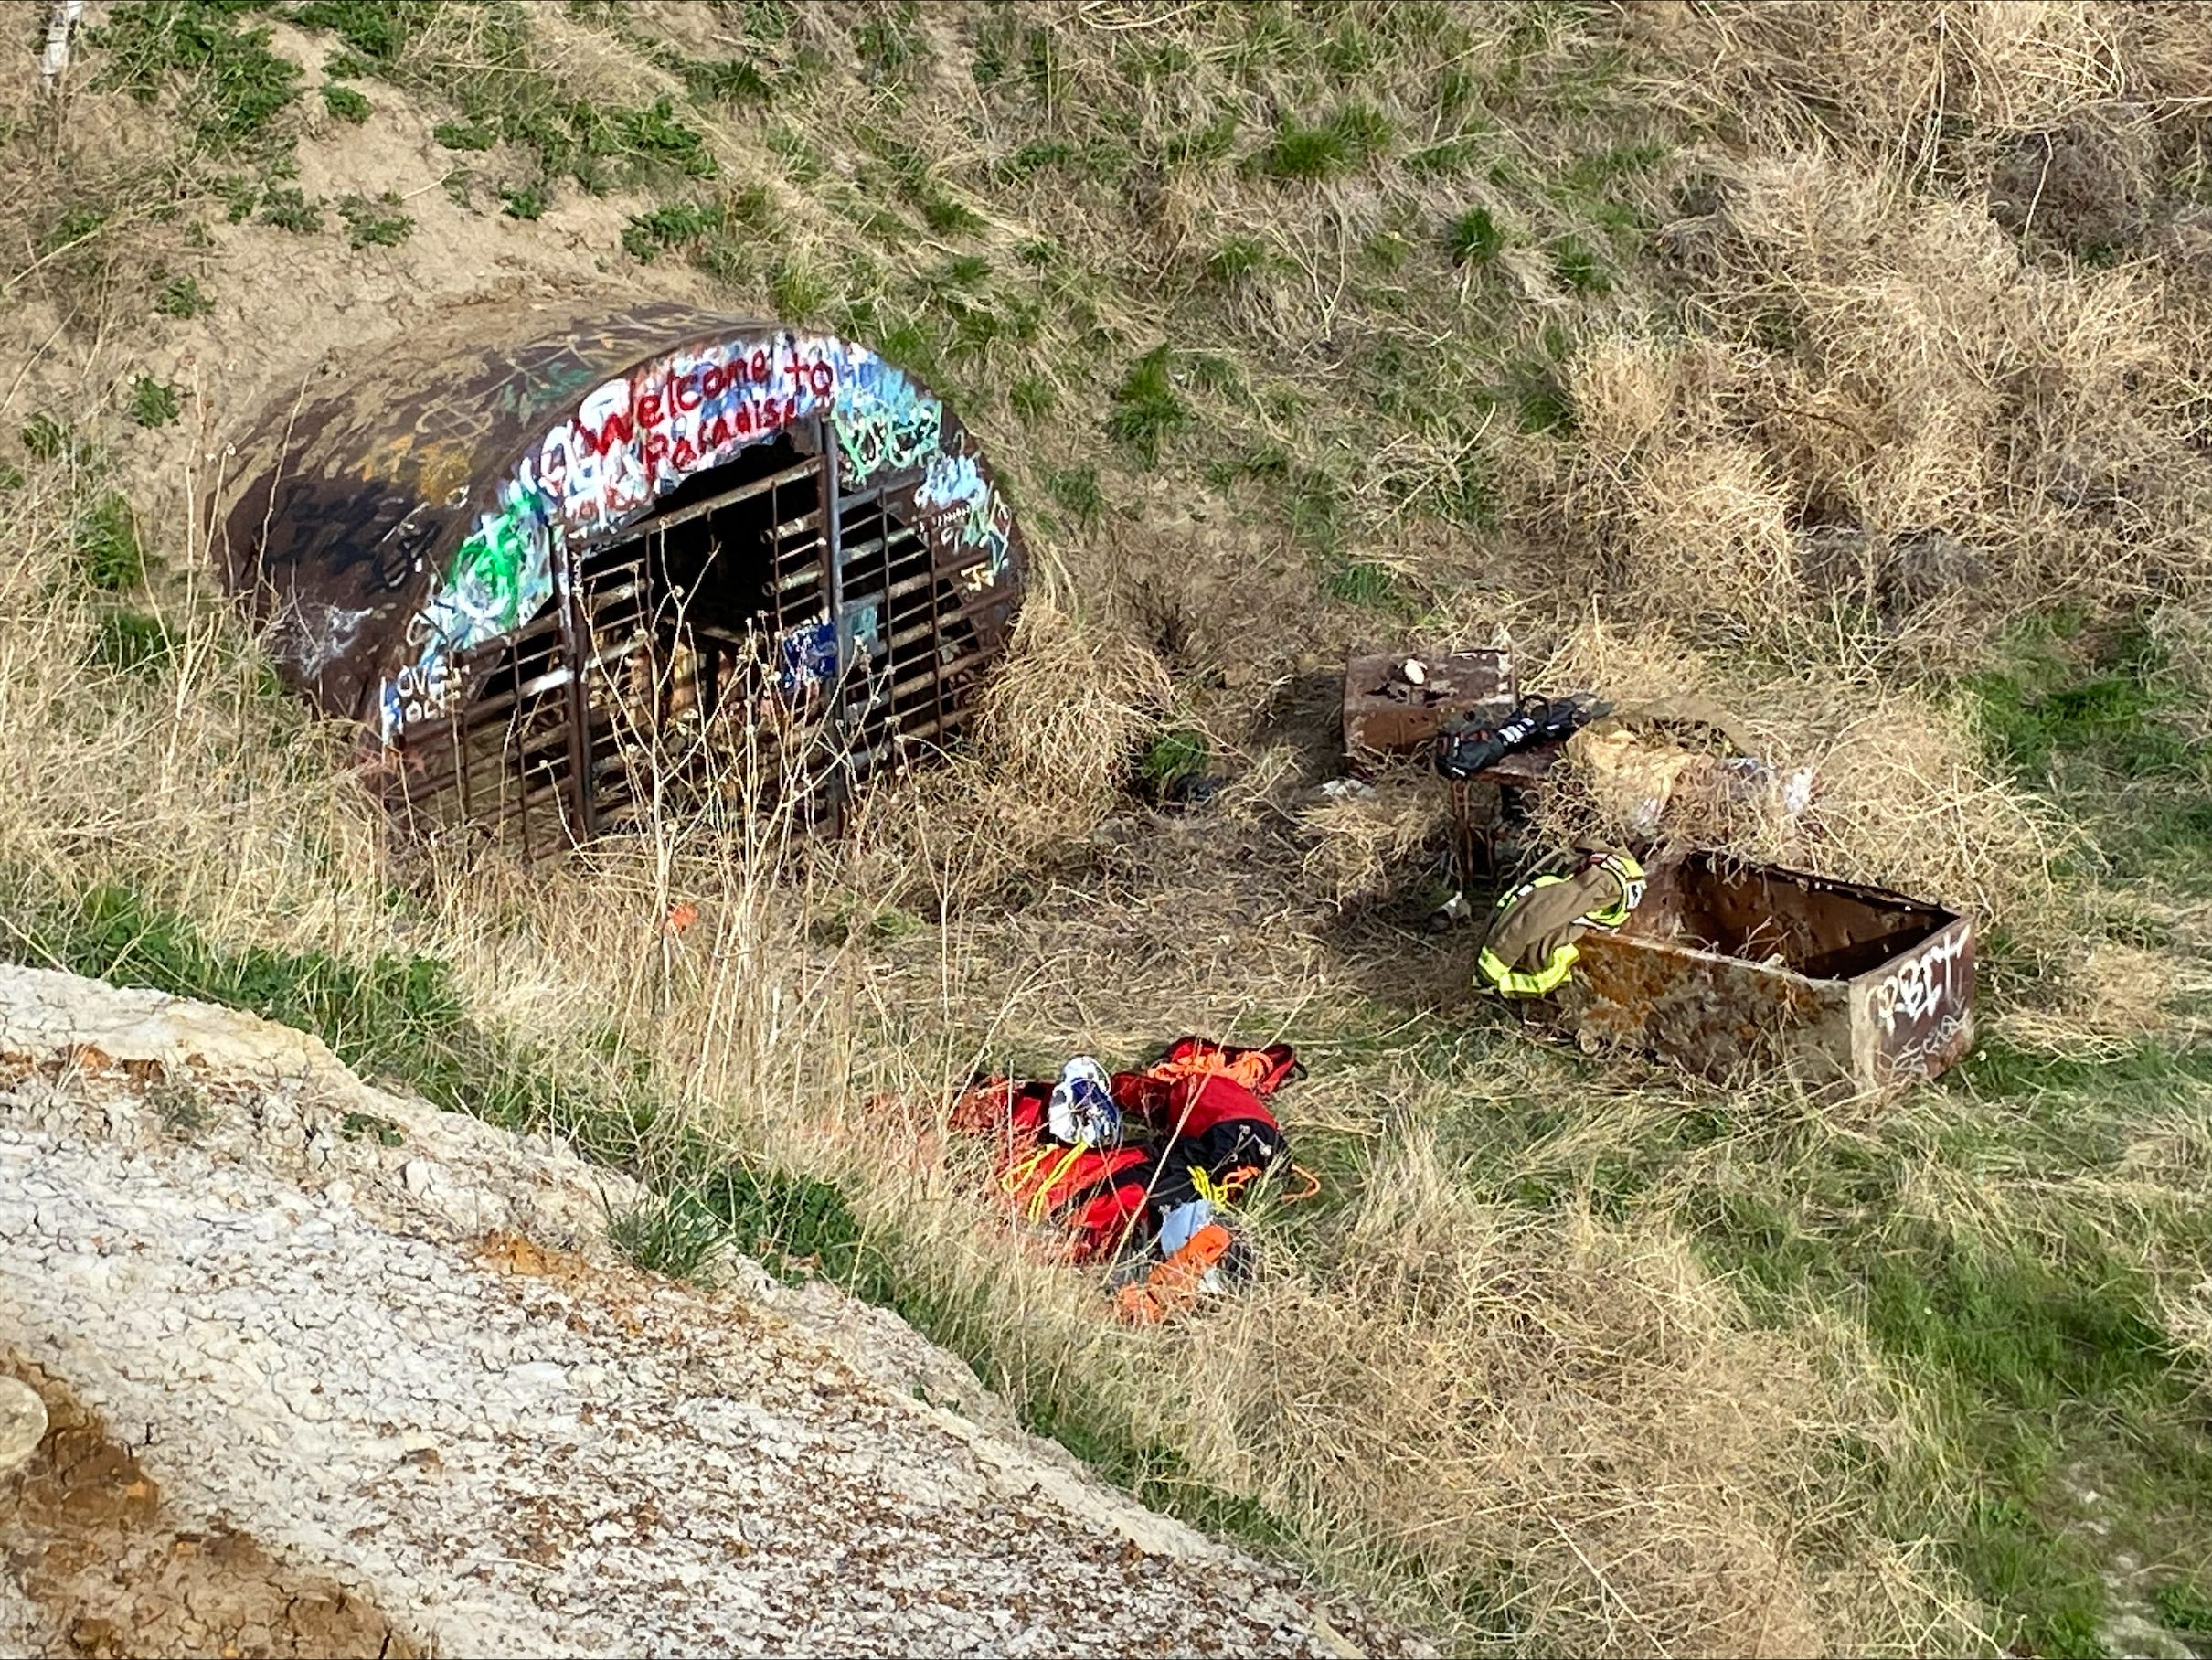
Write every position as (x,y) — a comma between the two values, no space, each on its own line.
(1622,868)
(1512,982)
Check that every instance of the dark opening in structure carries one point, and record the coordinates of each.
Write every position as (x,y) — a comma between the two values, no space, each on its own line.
(751,553)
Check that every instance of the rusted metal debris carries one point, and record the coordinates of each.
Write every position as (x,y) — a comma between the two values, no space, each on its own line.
(521,547)
(1390,710)
(1728,967)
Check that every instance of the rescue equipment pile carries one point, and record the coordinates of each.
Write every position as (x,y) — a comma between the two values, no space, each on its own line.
(1146,1172)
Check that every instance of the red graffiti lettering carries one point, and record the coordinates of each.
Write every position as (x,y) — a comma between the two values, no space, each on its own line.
(718,433)
(684,455)
(744,422)
(761,364)
(649,409)
(617,429)
(656,446)
(690,383)
(822,378)
(712,380)
(796,370)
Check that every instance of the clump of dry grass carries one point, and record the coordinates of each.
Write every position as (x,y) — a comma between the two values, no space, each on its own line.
(1904,85)
(1361,839)
(1081,697)
(1901,791)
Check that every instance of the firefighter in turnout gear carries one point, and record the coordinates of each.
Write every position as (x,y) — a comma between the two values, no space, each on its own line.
(1530,948)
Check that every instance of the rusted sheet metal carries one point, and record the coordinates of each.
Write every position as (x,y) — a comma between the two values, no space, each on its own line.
(1386,712)
(419,519)
(352,497)
(1727,968)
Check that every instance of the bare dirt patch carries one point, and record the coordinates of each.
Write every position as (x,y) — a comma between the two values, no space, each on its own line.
(107,1569)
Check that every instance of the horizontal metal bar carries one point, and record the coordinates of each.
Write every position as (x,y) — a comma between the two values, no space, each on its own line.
(597,597)
(729,498)
(870,548)
(933,674)
(872,496)
(933,621)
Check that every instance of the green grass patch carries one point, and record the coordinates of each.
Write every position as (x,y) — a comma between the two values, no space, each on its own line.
(378,30)
(154,403)
(71,226)
(1148,407)
(464,135)
(1580,267)
(375,223)
(130,641)
(1032,398)
(672,225)
(2094,719)
(1351,137)
(346,104)
(1173,759)
(288,209)
(1538,395)
(1446,159)
(727,81)
(659,140)
(371,1126)
(1474,238)
(182,297)
(1363,582)
(1238,258)
(230,87)
(670,1235)
(108,551)
(1075,491)
(2186,1607)
(47,437)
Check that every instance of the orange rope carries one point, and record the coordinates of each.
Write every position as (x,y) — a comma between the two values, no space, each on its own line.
(1311,1187)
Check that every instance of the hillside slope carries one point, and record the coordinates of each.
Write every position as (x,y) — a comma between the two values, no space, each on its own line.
(1842,362)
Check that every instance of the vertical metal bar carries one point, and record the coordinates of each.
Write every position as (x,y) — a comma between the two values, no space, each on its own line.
(890,622)
(841,633)
(576,643)
(832,542)
(937,646)
(775,564)
(461,764)
(511,755)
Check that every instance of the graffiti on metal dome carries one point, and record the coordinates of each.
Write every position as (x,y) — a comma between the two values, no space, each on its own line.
(636,437)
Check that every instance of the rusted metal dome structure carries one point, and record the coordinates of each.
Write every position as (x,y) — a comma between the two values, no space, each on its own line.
(524,548)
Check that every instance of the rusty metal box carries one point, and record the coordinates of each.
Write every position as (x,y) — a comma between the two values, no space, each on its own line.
(1387,713)
(1727,967)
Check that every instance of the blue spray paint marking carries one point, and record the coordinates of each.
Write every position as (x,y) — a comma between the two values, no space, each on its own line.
(809,653)
(884,421)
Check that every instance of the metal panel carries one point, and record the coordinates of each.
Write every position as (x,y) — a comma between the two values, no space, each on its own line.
(1386,714)
(356,525)
(1727,968)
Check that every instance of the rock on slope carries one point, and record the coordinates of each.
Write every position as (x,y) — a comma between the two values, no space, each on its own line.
(332,1371)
